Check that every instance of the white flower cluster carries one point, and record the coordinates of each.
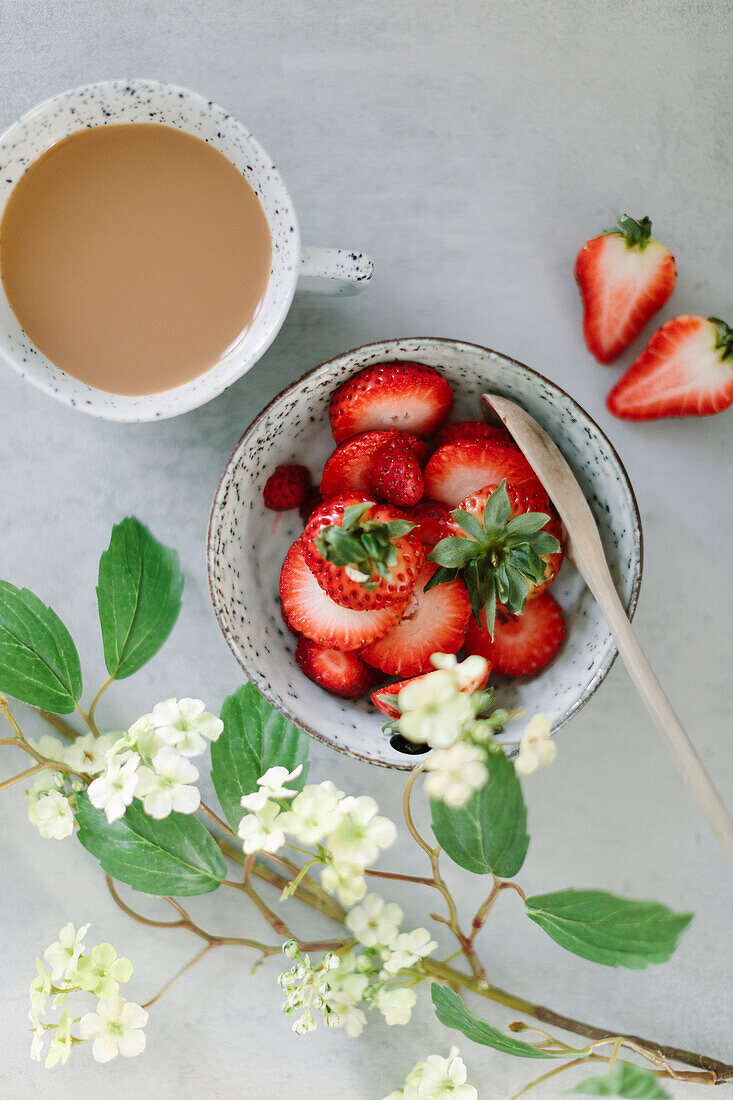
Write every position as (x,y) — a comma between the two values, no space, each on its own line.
(347,832)
(375,975)
(443,709)
(152,761)
(437,1079)
(116,1026)
(50,798)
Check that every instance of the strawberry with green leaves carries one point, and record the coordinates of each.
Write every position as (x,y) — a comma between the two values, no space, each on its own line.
(363,555)
(500,554)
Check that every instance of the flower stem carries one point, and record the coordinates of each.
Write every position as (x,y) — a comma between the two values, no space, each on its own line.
(88,720)
(21,775)
(97,697)
(212,816)
(59,724)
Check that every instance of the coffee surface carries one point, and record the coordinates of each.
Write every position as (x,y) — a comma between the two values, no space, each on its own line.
(134,256)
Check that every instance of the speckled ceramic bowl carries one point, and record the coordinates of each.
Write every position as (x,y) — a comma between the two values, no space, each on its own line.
(247,544)
(117,102)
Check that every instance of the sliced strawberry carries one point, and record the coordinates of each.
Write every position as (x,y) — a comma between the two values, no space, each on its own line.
(348,468)
(686,369)
(285,619)
(624,278)
(433,622)
(522,500)
(310,611)
(433,521)
(471,429)
(381,697)
(288,487)
(459,468)
(341,673)
(409,396)
(396,475)
(365,560)
(522,644)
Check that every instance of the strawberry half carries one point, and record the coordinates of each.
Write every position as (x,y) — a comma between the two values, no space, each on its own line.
(686,369)
(381,697)
(288,487)
(459,468)
(434,621)
(522,644)
(408,396)
(349,467)
(471,429)
(308,610)
(363,555)
(341,673)
(432,519)
(396,475)
(500,549)
(624,278)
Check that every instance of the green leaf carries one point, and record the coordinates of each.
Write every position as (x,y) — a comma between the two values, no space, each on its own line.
(441,576)
(398,528)
(174,857)
(607,929)
(353,513)
(498,510)
(543,543)
(39,663)
(454,552)
(452,1012)
(255,737)
(470,524)
(528,523)
(625,1080)
(489,834)
(138,596)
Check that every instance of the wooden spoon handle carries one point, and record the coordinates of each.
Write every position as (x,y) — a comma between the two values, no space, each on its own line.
(660,710)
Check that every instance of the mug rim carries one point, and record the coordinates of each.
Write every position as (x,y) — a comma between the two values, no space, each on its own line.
(121,408)
(390,343)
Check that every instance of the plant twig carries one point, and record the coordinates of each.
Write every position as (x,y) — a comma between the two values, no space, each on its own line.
(212,816)
(97,697)
(59,724)
(21,776)
(179,974)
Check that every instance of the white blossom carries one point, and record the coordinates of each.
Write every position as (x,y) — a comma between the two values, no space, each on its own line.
(51,748)
(375,923)
(407,948)
(40,989)
(186,724)
(396,1004)
(455,774)
(88,754)
(63,955)
(61,1044)
(272,786)
(433,710)
(436,1079)
(345,880)
(467,673)
(116,1028)
(348,1015)
(54,816)
(167,785)
(101,971)
(536,746)
(114,790)
(361,833)
(39,1033)
(314,813)
(263,831)
(44,782)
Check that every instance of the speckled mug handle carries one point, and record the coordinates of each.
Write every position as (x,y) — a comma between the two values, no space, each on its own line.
(333,271)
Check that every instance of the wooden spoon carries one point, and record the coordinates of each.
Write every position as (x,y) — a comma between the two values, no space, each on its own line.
(583,547)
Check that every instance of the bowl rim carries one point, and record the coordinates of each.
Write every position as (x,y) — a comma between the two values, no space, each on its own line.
(252,673)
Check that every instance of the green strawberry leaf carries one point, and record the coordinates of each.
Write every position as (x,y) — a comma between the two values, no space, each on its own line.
(528,523)
(39,663)
(607,929)
(497,511)
(138,597)
(452,1012)
(255,737)
(637,232)
(489,834)
(353,513)
(470,524)
(543,543)
(623,1080)
(454,552)
(175,857)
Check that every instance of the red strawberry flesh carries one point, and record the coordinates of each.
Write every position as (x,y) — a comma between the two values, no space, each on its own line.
(410,397)
(348,468)
(459,468)
(522,644)
(433,622)
(341,673)
(308,610)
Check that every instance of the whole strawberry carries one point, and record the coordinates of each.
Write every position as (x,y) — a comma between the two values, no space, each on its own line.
(624,278)
(363,555)
(396,475)
(288,487)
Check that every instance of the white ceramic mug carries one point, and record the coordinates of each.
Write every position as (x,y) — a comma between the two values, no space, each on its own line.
(314,270)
